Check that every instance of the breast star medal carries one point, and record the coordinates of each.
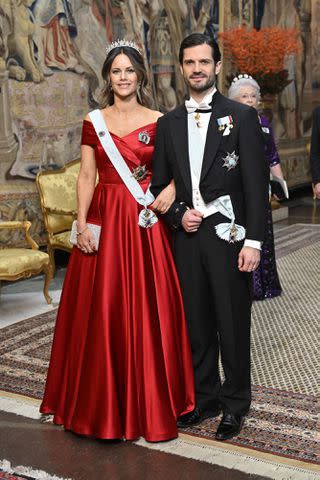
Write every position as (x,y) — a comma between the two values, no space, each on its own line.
(230,161)
(140,172)
(144,137)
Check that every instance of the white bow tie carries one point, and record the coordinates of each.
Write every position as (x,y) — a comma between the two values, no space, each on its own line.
(192,106)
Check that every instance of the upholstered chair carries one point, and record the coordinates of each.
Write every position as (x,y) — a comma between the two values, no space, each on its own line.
(58,198)
(17,263)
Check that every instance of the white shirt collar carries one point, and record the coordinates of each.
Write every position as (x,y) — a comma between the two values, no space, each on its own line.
(208,98)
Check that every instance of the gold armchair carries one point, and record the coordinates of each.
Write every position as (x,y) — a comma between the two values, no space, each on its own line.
(17,263)
(57,190)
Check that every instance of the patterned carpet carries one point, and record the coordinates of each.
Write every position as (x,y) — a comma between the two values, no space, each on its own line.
(290,239)
(285,344)
(9,476)
(8,472)
(280,422)
(283,417)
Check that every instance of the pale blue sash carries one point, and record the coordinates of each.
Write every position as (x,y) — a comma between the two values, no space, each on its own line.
(146,217)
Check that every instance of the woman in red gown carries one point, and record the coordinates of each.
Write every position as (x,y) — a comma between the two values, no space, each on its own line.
(120,364)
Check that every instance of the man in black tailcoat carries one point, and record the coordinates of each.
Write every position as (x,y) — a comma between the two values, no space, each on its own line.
(315,152)
(213,149)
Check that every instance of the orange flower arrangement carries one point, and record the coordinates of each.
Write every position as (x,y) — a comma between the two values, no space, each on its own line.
(261,53)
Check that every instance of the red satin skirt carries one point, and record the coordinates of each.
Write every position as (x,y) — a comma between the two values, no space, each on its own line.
(121,362)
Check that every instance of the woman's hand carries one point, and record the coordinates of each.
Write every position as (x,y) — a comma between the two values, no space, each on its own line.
(165,199)
(85,241)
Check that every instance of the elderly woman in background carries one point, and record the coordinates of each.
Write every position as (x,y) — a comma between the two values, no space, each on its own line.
(266,284)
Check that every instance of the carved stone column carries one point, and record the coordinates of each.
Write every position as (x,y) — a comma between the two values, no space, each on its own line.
(315,37)
(305,22)
(246,11)
(7,140)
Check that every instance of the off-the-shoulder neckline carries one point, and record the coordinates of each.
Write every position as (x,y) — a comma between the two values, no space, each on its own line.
(143,127)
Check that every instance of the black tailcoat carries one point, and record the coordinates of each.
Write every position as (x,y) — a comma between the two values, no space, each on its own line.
(315,146)
(217,296)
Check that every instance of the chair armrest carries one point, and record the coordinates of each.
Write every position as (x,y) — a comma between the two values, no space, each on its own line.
(61,211)
(13,224)
(25,225)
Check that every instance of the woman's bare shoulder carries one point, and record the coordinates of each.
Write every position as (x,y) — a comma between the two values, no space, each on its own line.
(153,115)
(88,119)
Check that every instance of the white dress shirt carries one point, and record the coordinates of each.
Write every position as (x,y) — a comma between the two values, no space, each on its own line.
(202,123)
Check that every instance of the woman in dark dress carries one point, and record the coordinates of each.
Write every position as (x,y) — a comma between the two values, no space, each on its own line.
(266,284)
(121,362)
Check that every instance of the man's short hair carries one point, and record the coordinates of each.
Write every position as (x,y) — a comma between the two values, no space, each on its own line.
(200,39)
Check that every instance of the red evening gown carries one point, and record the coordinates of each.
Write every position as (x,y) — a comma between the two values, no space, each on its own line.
(121,363)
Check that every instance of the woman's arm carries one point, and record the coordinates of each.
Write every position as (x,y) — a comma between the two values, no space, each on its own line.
(85,188)
(166,198)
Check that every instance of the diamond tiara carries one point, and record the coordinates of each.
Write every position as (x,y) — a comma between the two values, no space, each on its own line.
(241,76)
(122,43)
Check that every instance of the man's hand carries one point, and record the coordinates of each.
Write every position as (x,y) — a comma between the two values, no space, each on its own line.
(191,220)
(316,190)
(249,259)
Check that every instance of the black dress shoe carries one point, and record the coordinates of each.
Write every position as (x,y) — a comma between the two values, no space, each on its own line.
(230,426)
(196,417)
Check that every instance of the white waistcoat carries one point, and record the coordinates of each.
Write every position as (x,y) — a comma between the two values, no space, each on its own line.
(196,151)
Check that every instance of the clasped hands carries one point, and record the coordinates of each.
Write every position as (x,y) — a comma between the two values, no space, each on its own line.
(248,259)
(85,240)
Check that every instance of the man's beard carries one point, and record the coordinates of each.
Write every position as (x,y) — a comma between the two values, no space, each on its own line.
(211,81)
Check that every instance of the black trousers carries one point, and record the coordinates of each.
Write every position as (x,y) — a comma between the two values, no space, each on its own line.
(217,299)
